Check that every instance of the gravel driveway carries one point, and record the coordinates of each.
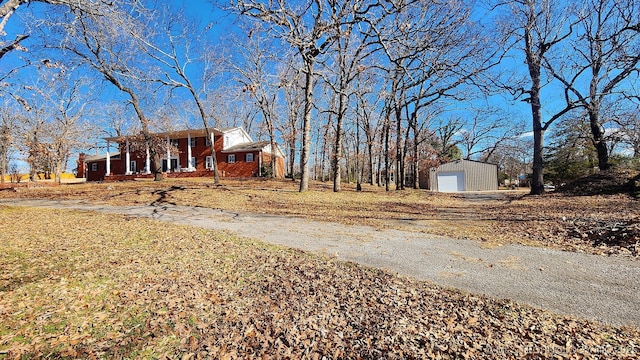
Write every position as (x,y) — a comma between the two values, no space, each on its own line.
(605,289)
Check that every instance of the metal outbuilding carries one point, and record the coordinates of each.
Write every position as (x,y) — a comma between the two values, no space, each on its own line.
(464,175)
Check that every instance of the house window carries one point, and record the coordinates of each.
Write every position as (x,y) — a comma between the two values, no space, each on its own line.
(193,142)
(231,158)
(193,162)
(175,143)
(207,141)
(134,167)
(94,166)
(208,163)
(248,157)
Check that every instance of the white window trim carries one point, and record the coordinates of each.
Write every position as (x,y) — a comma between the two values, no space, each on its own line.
(247,155)
(94,166)
(208,163)
(231,158)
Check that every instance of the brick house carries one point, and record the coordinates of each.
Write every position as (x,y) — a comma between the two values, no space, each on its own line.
(236,153)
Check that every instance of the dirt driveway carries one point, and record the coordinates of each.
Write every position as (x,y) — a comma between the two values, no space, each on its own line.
(605,289)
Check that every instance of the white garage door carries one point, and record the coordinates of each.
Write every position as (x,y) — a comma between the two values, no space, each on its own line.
(451,181)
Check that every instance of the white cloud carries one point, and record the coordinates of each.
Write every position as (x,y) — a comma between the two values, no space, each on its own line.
(527,134)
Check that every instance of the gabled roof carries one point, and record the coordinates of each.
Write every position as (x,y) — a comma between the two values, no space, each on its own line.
(459,164)
(100,157)
(254,146)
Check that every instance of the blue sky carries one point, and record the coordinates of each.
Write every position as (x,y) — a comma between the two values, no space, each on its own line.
(220,24)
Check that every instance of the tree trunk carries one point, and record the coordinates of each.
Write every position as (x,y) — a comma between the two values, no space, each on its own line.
(416,170)
(593,109)
(156,168)
(379,169)
(399,155)
(537,181)
(58,171)
(306,133)
(292,152)
(3,159)
(371,165)
(337,146)
(203,117)
(533,64)
(274,166)
(387,166)
(599,141)
(316,163)
(214,161)
(359,171)
(323,153)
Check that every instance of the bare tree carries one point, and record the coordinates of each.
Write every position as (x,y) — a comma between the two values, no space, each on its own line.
(106,42)
(53,123)
(447,140)
(535,27)
(630,128)
(8,121)
(173,48)
(292,88)
(255,69)
(9,7)
(605,57)
(68,104)
(304,26)
(368,114)
(487,130)
(32,131)
(433,51)
(513,157)
(345,61)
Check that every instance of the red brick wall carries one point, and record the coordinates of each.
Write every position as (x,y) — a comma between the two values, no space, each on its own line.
(240,168)
(97,175)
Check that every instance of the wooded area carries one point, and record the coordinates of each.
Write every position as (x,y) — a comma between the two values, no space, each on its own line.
(355,90)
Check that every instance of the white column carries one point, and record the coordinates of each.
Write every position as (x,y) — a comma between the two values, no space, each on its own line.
(148,161)
(127,160)
(189,152)
(168,154)
(108,173)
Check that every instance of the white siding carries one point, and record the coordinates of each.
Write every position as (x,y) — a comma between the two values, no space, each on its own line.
(235,137)
(267,150)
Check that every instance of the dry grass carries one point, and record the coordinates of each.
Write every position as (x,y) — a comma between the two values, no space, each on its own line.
(548,220)
(72,287)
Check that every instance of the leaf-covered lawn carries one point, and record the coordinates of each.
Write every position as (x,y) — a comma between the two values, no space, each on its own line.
(79,284)
(593,224)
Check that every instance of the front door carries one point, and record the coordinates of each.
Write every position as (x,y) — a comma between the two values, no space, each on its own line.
(174,165)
